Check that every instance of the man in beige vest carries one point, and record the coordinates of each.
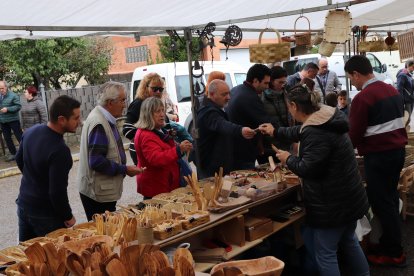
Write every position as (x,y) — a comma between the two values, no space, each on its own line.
(102,160)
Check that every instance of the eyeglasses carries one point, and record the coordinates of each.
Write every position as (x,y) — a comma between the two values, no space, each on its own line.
(156,88)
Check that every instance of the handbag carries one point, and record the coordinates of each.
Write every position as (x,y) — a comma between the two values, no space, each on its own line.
(185,170)
(302,39)
(269,52)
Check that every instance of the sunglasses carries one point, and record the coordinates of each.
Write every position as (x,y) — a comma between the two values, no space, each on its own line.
(156,88)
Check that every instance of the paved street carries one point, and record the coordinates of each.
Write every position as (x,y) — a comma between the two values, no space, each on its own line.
(9,187)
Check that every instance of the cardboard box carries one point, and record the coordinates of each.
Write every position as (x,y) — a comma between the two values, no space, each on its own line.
(257,227)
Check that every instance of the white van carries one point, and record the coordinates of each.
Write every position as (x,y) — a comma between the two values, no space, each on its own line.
(336,63)
(177,82)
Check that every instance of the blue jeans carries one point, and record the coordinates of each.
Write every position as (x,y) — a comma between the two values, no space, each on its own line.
(36,223)
(322,245)
(7,129)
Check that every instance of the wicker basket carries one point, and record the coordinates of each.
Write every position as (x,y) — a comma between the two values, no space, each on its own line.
(405,45)
(269,52)
(266,266)
(302,39)
(375,45)
(317,39)
(193,219)
(174,229)
(337,27)
(326,48)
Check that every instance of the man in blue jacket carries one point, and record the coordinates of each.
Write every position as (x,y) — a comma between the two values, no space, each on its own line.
(405,86)
(9,118)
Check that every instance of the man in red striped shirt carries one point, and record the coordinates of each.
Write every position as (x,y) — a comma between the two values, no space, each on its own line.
(377,131)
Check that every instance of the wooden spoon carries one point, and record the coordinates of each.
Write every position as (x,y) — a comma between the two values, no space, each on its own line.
(116,268)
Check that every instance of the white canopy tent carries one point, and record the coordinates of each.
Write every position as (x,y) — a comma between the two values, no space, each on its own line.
(57,18)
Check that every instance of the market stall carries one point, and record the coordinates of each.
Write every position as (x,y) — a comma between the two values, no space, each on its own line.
(230,224)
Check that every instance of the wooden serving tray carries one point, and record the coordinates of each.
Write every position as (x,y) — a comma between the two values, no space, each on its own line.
(193,219)
(231,204)
(176,227)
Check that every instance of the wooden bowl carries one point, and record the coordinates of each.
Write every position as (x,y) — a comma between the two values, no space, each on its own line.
(266,266)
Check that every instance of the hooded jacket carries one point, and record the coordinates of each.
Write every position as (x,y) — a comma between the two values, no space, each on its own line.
(333,192)
(405,85)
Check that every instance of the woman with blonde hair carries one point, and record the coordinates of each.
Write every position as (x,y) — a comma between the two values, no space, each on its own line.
(214,75)
(152,85)
(157,151)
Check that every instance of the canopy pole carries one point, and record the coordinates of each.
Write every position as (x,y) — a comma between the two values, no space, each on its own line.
(194,105)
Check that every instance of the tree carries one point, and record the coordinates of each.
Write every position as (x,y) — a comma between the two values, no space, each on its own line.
(167,55)
(55,61)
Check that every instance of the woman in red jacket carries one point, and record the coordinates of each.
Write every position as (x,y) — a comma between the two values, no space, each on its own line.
(157,151)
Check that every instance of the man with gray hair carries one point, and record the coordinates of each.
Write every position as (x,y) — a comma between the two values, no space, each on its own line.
(217,132)
(326,81)
(9,118)
(102,159)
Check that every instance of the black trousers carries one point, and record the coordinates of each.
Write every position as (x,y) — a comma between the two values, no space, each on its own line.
(92,207)
(382,170)
(7,129)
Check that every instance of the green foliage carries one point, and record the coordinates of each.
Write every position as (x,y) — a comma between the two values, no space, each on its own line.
(180,54)
(314,49)
(55,61)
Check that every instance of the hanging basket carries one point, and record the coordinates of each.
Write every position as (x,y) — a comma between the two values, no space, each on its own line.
(337,27)
(326,48)
(302,39)
(269,52)
(375,45)
(317,39)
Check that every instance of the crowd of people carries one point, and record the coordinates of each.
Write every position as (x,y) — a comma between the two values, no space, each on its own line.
(305,116)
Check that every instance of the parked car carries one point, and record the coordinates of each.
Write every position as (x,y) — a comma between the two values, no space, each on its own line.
(177,83)
(336,63)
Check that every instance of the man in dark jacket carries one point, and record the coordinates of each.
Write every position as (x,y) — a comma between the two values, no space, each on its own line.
(9,118)
(405,86)
(217,132)
(377,131)
(245,108)
(310,70)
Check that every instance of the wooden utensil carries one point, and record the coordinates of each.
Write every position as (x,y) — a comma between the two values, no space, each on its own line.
(232,271)
(208,191)
(116,268)
(167,271)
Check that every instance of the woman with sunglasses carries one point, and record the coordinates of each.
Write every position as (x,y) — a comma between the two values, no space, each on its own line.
(334,196)
(152,85)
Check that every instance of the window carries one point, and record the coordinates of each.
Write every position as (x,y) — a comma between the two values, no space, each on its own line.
(136,54)
(240,78)
(375,63)
(228,79)
(182,87)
